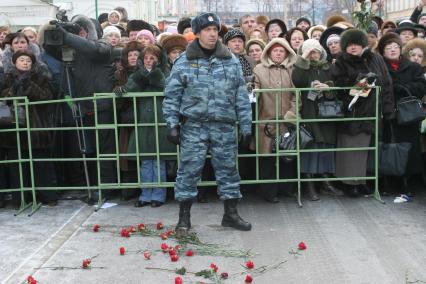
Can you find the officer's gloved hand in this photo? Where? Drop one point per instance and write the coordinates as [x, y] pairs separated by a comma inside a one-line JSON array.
[[173, 135], [245, 143], [120, 91]]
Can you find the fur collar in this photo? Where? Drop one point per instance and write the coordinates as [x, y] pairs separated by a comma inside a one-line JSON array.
[[193, 51]]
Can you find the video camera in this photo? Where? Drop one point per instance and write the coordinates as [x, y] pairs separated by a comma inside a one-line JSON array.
[[55, 37]]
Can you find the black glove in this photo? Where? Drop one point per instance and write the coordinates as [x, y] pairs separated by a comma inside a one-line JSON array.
[[173, 135], [389, 116], [245, 143], [120, 91]]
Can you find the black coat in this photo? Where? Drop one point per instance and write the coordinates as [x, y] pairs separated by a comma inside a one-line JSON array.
[[346, 72], [409, 76], [35, 87], [304, 73]]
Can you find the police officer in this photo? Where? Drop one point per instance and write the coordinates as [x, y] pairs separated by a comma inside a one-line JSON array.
[[204, 97]]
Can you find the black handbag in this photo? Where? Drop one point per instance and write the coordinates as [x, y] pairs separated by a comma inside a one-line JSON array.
[[288, 140], [7, 115], [330, 109], [409, 109]]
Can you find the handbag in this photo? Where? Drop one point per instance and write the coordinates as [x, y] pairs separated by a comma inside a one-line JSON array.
[[330, 109], [8, 117], [409, 109], [287, 140]]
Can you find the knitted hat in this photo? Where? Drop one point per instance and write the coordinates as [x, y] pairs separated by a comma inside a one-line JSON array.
[[183, 24], [303, 19], [20, 53], [261, 19], [279, 22], [331, 21], [406, 25], [138, 25], [387, 39], [316, 28], [413, 44], [373, 29], [313, 44], [204, 20], [175, 41], [255, 41], [353, 36], [420, 16], [148, 34], [116, 12], [111, 30], [233, 34]]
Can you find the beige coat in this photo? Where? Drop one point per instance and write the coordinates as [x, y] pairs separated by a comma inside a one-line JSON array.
[[269, 75]]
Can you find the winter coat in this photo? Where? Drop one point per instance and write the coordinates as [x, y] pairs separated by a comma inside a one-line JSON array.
[[143, 80], [409, 79], [207, 89], [268, 75], [35, 87], [346, 73], [304, 73]]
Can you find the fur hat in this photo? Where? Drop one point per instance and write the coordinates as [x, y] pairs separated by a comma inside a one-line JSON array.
[[279, 22], [387, 24], [138, 25], [387, 39], [233, 33], [255, 41], [353, 36], [111, 30], [204, 20], [148, 34], [153, 49], [183, 24], [223, 30], [20, 53], [303, 19], [329, 32], [413, 44], [406, 25], [261, 19], [331, 21], [316, 28], [175, 41], [87, 25], [130, 46]]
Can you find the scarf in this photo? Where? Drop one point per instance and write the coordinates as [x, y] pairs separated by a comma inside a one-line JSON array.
[[245, 65]]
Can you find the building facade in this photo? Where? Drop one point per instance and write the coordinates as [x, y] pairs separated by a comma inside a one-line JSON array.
[[400, 9]]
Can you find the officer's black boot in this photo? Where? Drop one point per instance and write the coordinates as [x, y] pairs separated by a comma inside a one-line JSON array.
[[184, 223], [231, 217]]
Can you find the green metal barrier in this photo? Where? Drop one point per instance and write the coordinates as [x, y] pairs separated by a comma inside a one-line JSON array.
[[136, 126]]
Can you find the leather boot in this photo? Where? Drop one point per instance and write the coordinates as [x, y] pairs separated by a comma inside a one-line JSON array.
[[328, 188], [231, 217], [184, 223], [309, 188]]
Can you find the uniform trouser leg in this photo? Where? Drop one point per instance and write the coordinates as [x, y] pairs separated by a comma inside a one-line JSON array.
[[193, 150], [224, 149]]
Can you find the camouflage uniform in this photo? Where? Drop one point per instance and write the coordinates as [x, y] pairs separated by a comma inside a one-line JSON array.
[[210, 95]]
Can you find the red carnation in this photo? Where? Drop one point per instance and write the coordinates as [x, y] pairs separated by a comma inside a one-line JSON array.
[[164, 236], [189, 253], [86, 263], [125, 233], [214, 267], [248, 279], [250, 264], [174, 257], [122, 251], [160, 226], [31, 280], [301, 246], [96, 228], [132, 229], [172, 252], [164, 247], [224, 275], [141, 227], [147, 255], [178, 280]]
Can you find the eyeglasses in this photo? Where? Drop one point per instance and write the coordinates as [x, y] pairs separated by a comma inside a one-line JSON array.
[[391, 47]]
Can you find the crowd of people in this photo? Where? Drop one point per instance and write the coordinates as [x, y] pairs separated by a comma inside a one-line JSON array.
[[113, 54]]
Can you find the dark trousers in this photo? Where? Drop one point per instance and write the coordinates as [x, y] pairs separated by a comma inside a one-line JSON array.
[[267, 170]]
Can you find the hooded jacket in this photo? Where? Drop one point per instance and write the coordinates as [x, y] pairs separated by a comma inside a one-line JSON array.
[[207, 89], [268, 75]]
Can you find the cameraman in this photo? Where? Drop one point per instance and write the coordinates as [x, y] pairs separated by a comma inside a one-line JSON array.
[[91, 72]]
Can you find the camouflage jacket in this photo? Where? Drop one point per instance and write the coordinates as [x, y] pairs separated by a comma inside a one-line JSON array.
[[207, 89]]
